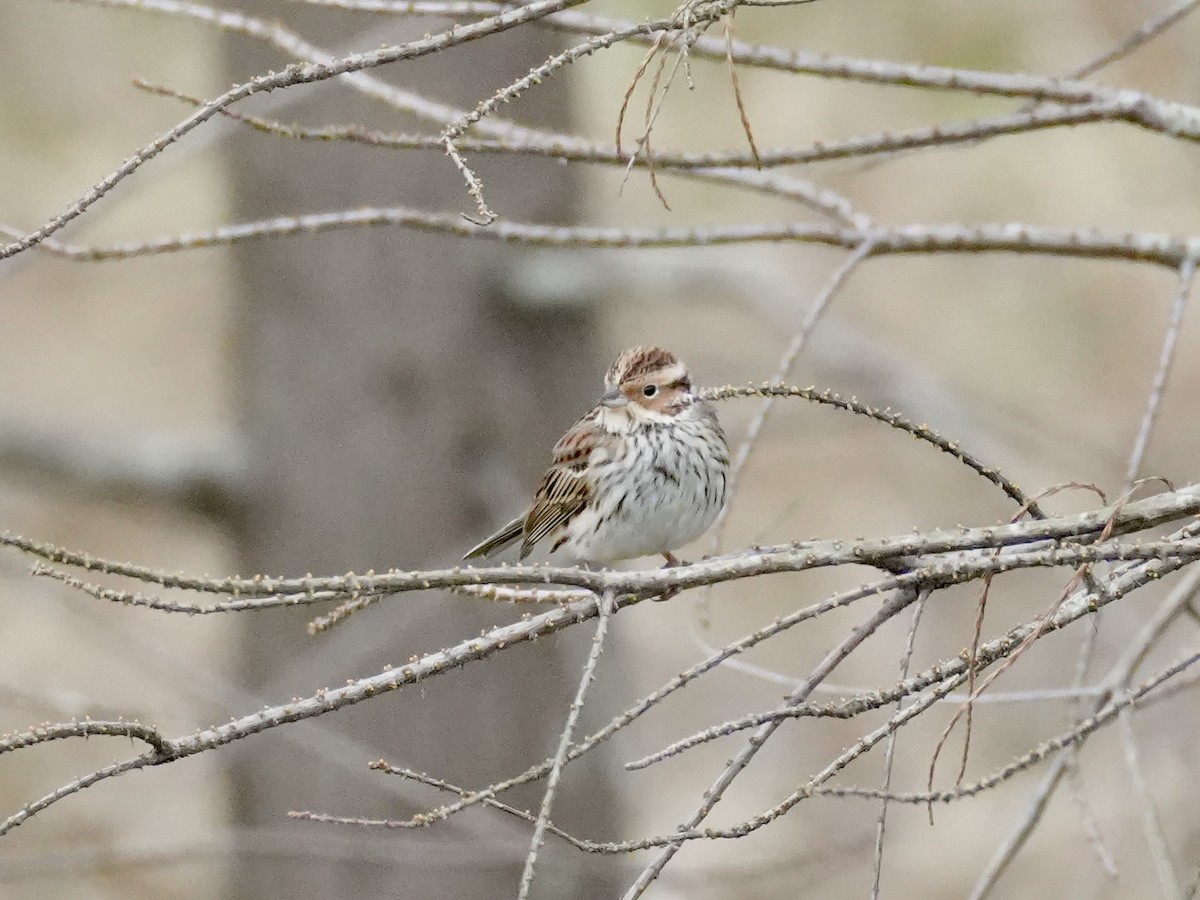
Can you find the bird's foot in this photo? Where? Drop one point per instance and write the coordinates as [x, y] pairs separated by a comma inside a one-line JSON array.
[[672, 562]]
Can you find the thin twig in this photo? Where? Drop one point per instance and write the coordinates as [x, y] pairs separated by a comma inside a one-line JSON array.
[[897, 602], [1042, 751], [1152, 826], [1079, 732], [520, 86], [889, 753], [291, 75], [721, 169], [1166, 356], [743, 116], [1167, 612], [783, 372], [1148, 30], [421, 778], [607, 606]]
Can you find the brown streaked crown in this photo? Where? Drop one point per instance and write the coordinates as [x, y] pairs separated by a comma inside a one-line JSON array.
[[637, 362]]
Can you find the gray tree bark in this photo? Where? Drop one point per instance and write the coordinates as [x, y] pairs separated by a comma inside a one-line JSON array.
[[398, 403]]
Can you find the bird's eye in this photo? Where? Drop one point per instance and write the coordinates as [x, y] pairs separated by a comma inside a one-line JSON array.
[[650, 390]]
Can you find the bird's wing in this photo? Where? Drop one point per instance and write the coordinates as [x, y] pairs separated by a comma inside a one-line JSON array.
[[567, 486]]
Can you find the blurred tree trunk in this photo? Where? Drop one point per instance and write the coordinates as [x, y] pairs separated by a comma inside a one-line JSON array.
[[398, 403]]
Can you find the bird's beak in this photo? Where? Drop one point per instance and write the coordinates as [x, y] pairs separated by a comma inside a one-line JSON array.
[[614, 399]]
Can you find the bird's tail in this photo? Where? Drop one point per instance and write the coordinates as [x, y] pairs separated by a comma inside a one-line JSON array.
[[499, 540]]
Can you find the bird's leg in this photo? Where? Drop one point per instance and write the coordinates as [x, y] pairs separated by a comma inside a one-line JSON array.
[[672, 562]]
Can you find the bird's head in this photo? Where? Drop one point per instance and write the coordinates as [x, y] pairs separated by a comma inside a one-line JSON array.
[[647, 384]]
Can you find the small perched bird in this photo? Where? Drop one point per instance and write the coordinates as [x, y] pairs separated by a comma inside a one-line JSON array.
[[643, 473]]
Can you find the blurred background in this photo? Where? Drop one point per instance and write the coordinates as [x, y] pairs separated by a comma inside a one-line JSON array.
[[384, 398]]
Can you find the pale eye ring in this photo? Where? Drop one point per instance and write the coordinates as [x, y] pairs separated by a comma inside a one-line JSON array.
[[650, 390]]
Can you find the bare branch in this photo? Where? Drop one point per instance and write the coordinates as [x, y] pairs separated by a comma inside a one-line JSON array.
[[607, 607], [1187, 274], [293, 75], [1147, 247]]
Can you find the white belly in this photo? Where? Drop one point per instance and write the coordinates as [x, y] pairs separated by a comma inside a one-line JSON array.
[[666, 496]]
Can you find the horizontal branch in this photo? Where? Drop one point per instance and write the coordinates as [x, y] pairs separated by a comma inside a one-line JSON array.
[[878, 552], [575, 149], [943, 676], [296, 74], [1172, 117], [625, 587], [1166, 116], [324, 701], [1150, 247]]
